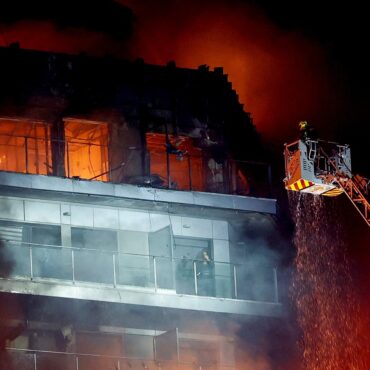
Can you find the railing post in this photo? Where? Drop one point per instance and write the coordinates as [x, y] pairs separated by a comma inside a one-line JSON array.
[[155, 273], [73, 266], [68, 165], [235, 286], [34, 361], [77, 363], [190, 179], [195, 278], [118, 364], [31, 263], [276, 291], [26, 152], [114, 270]]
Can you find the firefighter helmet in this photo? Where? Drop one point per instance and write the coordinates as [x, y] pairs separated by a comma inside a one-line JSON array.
[[303, 125]]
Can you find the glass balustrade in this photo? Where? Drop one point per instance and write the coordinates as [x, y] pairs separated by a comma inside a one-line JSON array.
[[181, 275], [46, 360]]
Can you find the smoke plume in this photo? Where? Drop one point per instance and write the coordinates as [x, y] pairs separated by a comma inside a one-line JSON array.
[[280, 76]]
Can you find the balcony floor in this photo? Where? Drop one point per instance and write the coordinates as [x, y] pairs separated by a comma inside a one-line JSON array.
[[138, 296], [125, 195]]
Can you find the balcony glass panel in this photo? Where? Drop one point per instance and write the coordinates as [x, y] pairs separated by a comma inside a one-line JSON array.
[[185, 279], [55, 361], [185, 276], [39, 360], [135, 270], [15, 259], [93, 266]]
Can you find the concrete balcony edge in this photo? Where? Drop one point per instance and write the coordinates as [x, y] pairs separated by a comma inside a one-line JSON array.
[[41, 183], [137, 296]]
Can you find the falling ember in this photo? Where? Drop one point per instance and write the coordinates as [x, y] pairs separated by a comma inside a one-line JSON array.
[[327, 311]]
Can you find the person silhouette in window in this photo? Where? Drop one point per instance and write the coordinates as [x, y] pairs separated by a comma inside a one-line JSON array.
[[205, 275]]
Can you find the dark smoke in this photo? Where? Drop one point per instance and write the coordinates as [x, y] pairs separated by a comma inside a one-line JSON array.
[[281, 76], [6, 333], [105, 16]]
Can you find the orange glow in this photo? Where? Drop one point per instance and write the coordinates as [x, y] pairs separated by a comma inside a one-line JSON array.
[[186, 172], [47, 36], [86, 149], [280, 76], [24, 146]]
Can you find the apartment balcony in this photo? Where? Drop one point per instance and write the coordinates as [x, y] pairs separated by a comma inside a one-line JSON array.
[[45, 360], [156, 281], [88, 182], [94, 151]]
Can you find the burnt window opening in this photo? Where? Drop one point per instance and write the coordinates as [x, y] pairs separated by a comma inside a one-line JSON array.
[[86, 149], [92, 150], [72, 148], [25, 146], [176, 162]]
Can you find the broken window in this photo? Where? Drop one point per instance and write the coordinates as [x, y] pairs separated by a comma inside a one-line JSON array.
[[86, 149], [176, 161], [25, 146]]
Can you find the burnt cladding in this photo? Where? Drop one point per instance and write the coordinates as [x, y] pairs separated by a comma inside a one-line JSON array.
[[192, 102]]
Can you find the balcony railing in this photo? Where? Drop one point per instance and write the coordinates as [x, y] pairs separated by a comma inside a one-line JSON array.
[[47, 360], [119, 270], [90, 161]]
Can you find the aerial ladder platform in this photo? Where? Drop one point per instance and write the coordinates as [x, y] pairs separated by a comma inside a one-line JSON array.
[[324, 168]]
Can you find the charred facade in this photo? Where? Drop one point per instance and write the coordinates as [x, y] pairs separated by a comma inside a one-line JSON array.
[[136, 221]]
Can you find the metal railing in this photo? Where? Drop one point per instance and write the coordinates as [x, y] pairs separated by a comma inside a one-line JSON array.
[[91, 161], [183, 276], [18, 359], [34, 155]]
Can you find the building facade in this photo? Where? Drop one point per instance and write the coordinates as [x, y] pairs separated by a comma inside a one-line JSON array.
[[136, 222]]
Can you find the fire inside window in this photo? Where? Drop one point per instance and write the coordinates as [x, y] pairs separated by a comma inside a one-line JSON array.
[[25, 146], [86, 149], [181, 167]]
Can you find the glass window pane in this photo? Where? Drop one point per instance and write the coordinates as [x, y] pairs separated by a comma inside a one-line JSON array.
[[24, 146], [94, 239], [45, 234]]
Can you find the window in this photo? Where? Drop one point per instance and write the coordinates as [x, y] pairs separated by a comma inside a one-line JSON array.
[[25, 146], [182, 166], [48, 260], [94, 261], [94, 239], [30, 233], [86, 149]]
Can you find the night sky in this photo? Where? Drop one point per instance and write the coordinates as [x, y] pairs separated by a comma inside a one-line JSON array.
[[287, 60]]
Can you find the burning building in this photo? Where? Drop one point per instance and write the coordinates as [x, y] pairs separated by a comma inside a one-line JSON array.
[[136, 222]]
